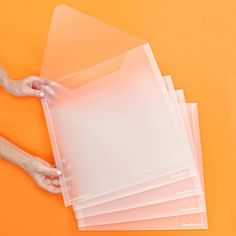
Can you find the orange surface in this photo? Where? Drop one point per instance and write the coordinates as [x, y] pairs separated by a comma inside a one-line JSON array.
[[193, 40]]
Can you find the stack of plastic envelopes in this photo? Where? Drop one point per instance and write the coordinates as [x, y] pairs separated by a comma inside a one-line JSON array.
[[127, 142]]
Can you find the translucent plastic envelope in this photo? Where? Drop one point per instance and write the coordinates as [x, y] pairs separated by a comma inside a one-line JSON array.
[[189, 205], [170, 192], [184, 222], [185, 219], [113, 127], [160, 216], [176, 190]]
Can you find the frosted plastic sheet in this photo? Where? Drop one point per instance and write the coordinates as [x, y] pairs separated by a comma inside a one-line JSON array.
[[184, 222], [151, 214], [83, 114], [119, 91], [182, 206], [176, 190]]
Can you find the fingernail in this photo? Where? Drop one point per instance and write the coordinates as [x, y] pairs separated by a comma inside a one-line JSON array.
[[54, 84], [41, 94], [59, 172]]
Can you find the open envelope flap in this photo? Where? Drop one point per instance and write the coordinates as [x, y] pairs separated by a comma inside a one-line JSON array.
[[81, 45]]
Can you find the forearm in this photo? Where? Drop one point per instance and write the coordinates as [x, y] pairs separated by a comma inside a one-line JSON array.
[[12, 153], [5, 81]]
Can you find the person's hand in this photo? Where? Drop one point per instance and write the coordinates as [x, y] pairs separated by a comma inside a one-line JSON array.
[[30, 86], [45, 175]]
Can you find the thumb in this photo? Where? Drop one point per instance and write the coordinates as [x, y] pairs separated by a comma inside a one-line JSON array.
[[50, 171], [35, 93]]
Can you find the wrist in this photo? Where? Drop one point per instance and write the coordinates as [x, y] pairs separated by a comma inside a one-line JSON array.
[[5, 82], [15, 155], [25, 161], [3, 77]]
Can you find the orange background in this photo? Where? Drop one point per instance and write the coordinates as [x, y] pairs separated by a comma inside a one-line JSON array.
[[193, 40]]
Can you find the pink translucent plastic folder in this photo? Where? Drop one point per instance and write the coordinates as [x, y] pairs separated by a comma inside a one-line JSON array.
[[169, 223], [158, 195], [184, 206], [122, 136], [176, 190], [105, 127], [147, 205], [159, 216]]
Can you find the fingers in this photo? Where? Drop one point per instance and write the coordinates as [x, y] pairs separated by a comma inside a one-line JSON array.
[[49, 171], [38, 80], [48, 184], [38, 87], [56, 182], [44, 81], [49, 90], [34, 93], [53, 189], [52, 181], [49, 187], [45, 175]]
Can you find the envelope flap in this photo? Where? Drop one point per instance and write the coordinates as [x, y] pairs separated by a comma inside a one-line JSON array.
[[77, 41]]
